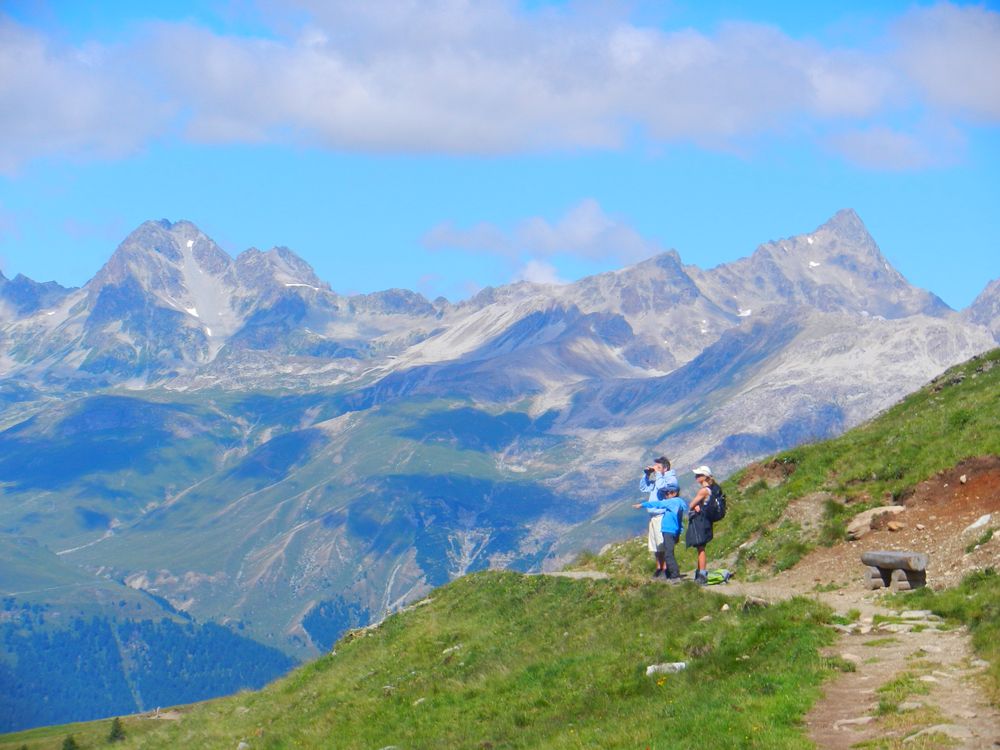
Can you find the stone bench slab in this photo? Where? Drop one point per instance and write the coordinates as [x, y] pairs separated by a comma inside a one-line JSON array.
[[890, 560]]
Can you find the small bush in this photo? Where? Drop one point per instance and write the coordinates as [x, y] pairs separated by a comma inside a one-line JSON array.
[[117, 732], [986, 536]]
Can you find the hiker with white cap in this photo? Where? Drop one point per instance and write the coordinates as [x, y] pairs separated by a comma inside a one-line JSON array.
[[699, 531]]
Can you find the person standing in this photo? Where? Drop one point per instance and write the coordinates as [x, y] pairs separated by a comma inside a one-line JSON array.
[[671, 525], [699, 532], [655, 480]]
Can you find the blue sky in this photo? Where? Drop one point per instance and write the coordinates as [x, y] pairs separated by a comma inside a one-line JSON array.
[[445, 145]]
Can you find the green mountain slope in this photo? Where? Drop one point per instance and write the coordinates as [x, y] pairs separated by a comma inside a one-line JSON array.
[[503, 660], [281, 512], [952, 418]]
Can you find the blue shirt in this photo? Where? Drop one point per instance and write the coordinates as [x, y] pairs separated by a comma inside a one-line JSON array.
[[666, 480], [673, 510]]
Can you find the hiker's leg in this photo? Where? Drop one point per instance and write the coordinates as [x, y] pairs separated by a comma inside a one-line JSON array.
[[661, 557], [669, 541], [701, 574]]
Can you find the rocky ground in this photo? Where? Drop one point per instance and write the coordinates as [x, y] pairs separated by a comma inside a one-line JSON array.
[[915, 682]]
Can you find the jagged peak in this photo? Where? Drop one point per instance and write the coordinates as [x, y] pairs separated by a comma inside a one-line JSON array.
[[992, 289], [163, 237], [157, 246], [985, 308], [847, 225], [282, 263], [393, 301]]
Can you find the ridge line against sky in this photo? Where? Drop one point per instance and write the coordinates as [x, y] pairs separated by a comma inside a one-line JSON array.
[[449, 145]]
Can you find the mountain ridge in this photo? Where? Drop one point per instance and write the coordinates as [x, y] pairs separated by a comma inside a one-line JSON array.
[[199, 302]]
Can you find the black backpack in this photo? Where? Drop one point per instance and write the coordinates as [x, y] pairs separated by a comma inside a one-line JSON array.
[[715, 506]]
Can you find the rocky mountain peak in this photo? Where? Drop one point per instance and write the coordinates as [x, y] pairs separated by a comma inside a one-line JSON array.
[[392, 302], [985, 309], [847, 225], [279, 267], [837, 267], [158, 254], [25, 296]]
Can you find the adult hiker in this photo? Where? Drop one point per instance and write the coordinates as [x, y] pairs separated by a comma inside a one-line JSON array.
[[656, 479], [699, 531]]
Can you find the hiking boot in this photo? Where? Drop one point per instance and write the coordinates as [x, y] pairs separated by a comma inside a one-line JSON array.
[[701, 577], [658, 573]]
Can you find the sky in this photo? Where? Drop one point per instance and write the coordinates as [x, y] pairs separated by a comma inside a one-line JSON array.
[[449, 145]]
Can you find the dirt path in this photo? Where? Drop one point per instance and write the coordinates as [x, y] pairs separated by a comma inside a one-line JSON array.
[[935, 670], [916, 682]]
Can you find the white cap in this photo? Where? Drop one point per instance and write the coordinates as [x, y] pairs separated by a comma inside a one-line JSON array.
[[703, 470]]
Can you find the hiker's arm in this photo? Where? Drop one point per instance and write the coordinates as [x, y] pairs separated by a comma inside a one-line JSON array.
[[701, 497], [645, 485]]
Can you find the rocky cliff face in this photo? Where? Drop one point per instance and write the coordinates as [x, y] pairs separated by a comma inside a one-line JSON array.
[[985, 309], [837, 268]]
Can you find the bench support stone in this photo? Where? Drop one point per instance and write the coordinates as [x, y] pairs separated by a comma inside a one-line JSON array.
[[876, 578], [907, 580], [899, 571]]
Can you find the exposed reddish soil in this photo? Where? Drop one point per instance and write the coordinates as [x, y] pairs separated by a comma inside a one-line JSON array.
[[937, 516], [772, 472]]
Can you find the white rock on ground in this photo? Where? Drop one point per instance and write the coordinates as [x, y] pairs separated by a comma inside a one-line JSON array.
[[668, 668], [978, 523], [953, 731]]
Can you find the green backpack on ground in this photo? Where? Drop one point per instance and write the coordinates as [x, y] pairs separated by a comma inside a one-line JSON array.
[[719, 575]]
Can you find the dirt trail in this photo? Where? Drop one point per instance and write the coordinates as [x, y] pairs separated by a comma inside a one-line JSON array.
[[937, 659], [942, 702]]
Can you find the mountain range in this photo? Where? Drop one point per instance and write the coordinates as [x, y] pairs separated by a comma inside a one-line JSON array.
[[236, 440]]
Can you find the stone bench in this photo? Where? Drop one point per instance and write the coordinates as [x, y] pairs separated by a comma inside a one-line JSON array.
[[899, 571]]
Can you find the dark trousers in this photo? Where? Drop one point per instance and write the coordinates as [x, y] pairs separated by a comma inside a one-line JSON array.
[[669, 541]]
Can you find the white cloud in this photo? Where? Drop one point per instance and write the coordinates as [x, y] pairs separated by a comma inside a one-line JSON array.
[[882, 148], [585, 231], [73, 101], [491, 77], [929, 144], [953, 54], [483, 237], [539, 272], [485, 77]]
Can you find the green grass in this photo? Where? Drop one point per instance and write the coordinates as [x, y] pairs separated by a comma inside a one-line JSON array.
[[898, 690], [851, 616], [983, 539], [976, 603], [501, 660], [950, 419], [876, 463], [876, 642], [91, 734]]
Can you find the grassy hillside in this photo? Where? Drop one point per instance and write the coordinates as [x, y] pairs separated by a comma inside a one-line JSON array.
[[503, 660], [952, 418]]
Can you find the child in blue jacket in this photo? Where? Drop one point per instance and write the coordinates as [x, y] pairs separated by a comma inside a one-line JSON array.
[[666, 521]]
